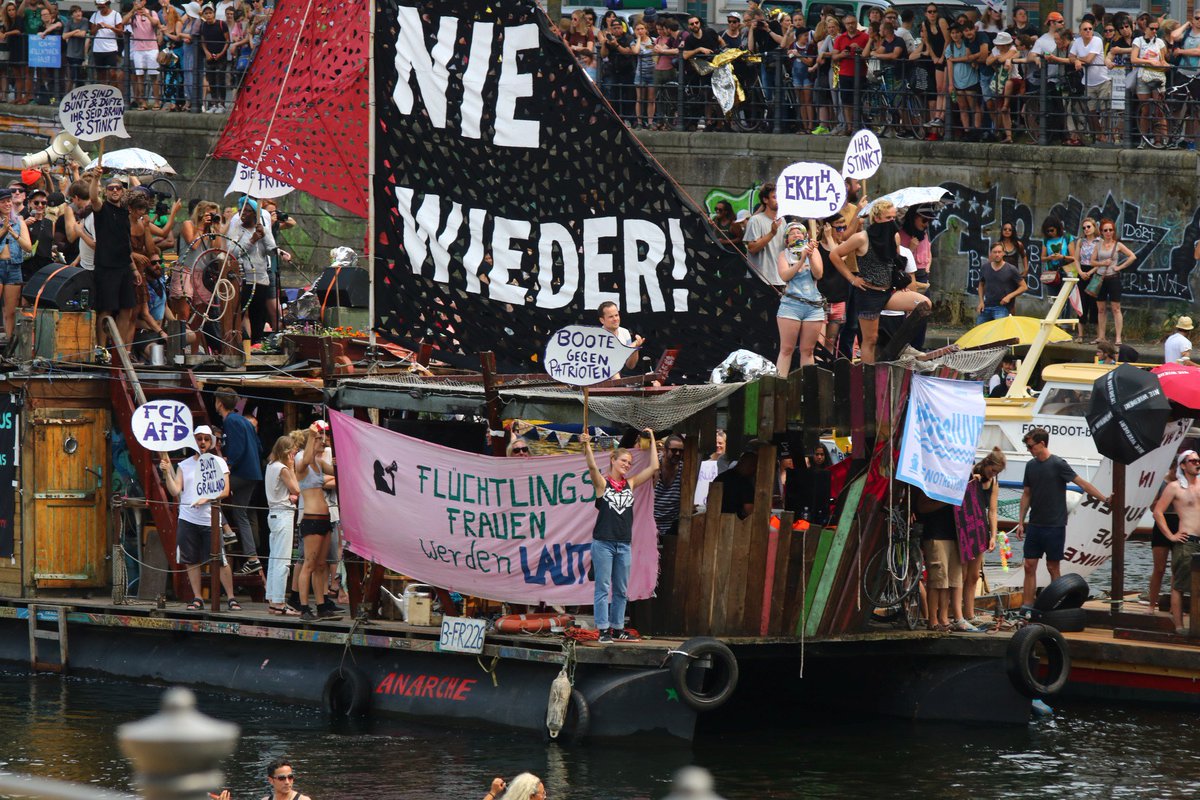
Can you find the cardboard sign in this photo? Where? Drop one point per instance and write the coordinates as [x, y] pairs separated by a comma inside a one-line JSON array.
[[164, 425], [249, 181], [92, 112], [462, 635], [210, 483], [583, 356], [863, 156], [810, 190], [45, 52]]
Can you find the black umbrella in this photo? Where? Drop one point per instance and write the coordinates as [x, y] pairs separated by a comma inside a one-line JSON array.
[[1129, 413]]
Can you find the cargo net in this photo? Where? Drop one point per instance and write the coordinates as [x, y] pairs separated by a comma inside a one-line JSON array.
[[659, 411], [972, 365]]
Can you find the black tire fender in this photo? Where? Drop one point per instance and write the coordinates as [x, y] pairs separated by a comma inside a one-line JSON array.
[[1065, 591], [1066, 620], [577, 723], [695, 658], [347, 692], [1020, 663]]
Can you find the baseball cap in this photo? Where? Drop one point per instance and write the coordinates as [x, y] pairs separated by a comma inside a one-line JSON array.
[[30, 176], [1054, 16], [5, 194], [651, 14], [734, 15], [202, 430]]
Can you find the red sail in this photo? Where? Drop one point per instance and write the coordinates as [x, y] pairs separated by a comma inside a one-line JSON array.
[[306, 95]]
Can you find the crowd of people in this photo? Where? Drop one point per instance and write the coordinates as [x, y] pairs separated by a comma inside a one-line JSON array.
[[296, 480], [176, 57], [975, 73], [149, 259]]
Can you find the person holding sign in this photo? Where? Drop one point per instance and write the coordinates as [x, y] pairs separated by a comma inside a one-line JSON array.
[[880, 268], [612, 537], [195, 490], [801, 315]]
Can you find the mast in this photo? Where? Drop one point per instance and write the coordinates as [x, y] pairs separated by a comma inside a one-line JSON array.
[[1020, 384], [371, 182]]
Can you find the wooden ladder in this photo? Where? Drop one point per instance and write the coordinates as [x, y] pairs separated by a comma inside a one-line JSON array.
[[59, 634]]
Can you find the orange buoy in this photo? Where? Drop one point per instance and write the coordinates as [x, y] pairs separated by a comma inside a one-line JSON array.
[[532, 623]]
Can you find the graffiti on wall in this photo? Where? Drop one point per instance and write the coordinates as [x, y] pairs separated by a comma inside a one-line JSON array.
[[1164, 246]]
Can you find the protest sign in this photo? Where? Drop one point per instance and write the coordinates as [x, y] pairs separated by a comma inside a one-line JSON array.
[[941, 433], [163, 425], [249, 181], [92, 112], [810, 190], [863, 156], [210, 483], [583, 356], [45, 52], [517, 530]]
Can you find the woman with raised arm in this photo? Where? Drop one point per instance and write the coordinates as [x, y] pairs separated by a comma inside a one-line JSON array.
[[612, 538], [315, 526], [801, 314]]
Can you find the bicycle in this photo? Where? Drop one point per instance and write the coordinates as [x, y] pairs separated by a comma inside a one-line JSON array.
[[895, 108], [893, 574], [1169, 116]]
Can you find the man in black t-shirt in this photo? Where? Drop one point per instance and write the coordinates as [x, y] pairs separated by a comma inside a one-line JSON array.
[[616, 47], [1044, 499], [700, 42], [114, 274], [737, 482]]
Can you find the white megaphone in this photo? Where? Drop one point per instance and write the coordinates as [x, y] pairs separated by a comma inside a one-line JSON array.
[[64, 145]]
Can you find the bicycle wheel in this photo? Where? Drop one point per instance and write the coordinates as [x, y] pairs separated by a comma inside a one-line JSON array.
[[1158, 116], [750, 115], [883, 587], [913, 115]]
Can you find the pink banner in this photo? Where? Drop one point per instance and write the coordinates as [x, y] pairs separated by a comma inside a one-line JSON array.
[[512, 529]]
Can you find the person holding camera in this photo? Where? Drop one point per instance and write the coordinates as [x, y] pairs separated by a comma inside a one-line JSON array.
[[200, 233], [620, 58], [251, 230]]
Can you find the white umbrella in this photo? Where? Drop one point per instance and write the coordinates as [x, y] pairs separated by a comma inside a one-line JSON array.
[[912, 196], [134, 161]]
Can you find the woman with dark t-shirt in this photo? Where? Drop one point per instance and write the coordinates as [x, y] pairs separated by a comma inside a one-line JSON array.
[[612, 538]]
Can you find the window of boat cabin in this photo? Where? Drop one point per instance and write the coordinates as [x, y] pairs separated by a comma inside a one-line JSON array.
[[1061, 401]]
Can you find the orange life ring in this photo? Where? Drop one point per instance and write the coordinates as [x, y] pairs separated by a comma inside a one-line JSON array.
[[532, 623]]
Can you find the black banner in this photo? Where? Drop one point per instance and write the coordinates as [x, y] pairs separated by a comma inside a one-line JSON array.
[[510, 201], [9, 411]]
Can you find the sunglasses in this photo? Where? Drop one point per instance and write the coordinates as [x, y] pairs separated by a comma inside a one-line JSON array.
[[1108, 230], [37, 203], [675, 450], [839, 227], [520, 449], [291, 776], [1110, 30], [1192, 461]]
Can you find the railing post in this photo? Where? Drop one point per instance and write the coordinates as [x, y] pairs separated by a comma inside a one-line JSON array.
[[860, 69], [948, 106], [777, 127], [198, 61], [679, 104], [1044, 106]]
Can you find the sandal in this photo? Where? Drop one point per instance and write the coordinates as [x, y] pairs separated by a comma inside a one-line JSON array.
[[283, 611], [196, 605], [234, 605]]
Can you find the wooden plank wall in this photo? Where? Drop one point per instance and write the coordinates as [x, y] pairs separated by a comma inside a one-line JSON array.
[[725, 576]]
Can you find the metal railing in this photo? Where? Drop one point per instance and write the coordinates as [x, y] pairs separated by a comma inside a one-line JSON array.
[[185, 79], [1099, 107]]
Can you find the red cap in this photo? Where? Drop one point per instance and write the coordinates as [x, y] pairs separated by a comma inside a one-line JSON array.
[[1054, 16], [30, 176]]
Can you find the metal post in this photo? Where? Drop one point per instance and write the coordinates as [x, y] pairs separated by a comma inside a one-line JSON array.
[[860, 69], [777, 127], [198, 60], [948, 108], [679, 104], [128, 71], [214, 564], [177, 753], [1043, 105], [1117, 509]]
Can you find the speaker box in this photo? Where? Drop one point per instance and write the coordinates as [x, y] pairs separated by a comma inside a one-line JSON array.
[[70, 289], [352, 289]]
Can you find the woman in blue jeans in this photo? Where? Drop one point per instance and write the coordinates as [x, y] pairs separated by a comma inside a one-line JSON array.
[[613, 535]]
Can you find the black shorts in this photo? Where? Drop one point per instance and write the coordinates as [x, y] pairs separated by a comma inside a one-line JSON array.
[[114, 290], [869, 303], [104, 60], [846, 86], [1045, 540], [193, 543], [1157, 539], [1110, 290], [315, 526]]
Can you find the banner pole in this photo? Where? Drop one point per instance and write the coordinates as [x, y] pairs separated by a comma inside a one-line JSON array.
[[585, 408], [214, 564], [371, 355]]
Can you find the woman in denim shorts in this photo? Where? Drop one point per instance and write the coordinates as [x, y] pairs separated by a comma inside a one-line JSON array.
[[801, 315], [14, 244]]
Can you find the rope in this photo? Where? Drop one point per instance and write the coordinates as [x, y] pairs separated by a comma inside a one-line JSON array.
[[489, 670]]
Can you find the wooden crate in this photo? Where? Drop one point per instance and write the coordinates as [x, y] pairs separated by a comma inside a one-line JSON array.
[[60, 336]]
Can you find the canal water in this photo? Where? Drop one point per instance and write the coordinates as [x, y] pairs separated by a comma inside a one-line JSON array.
[[66, 728]]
